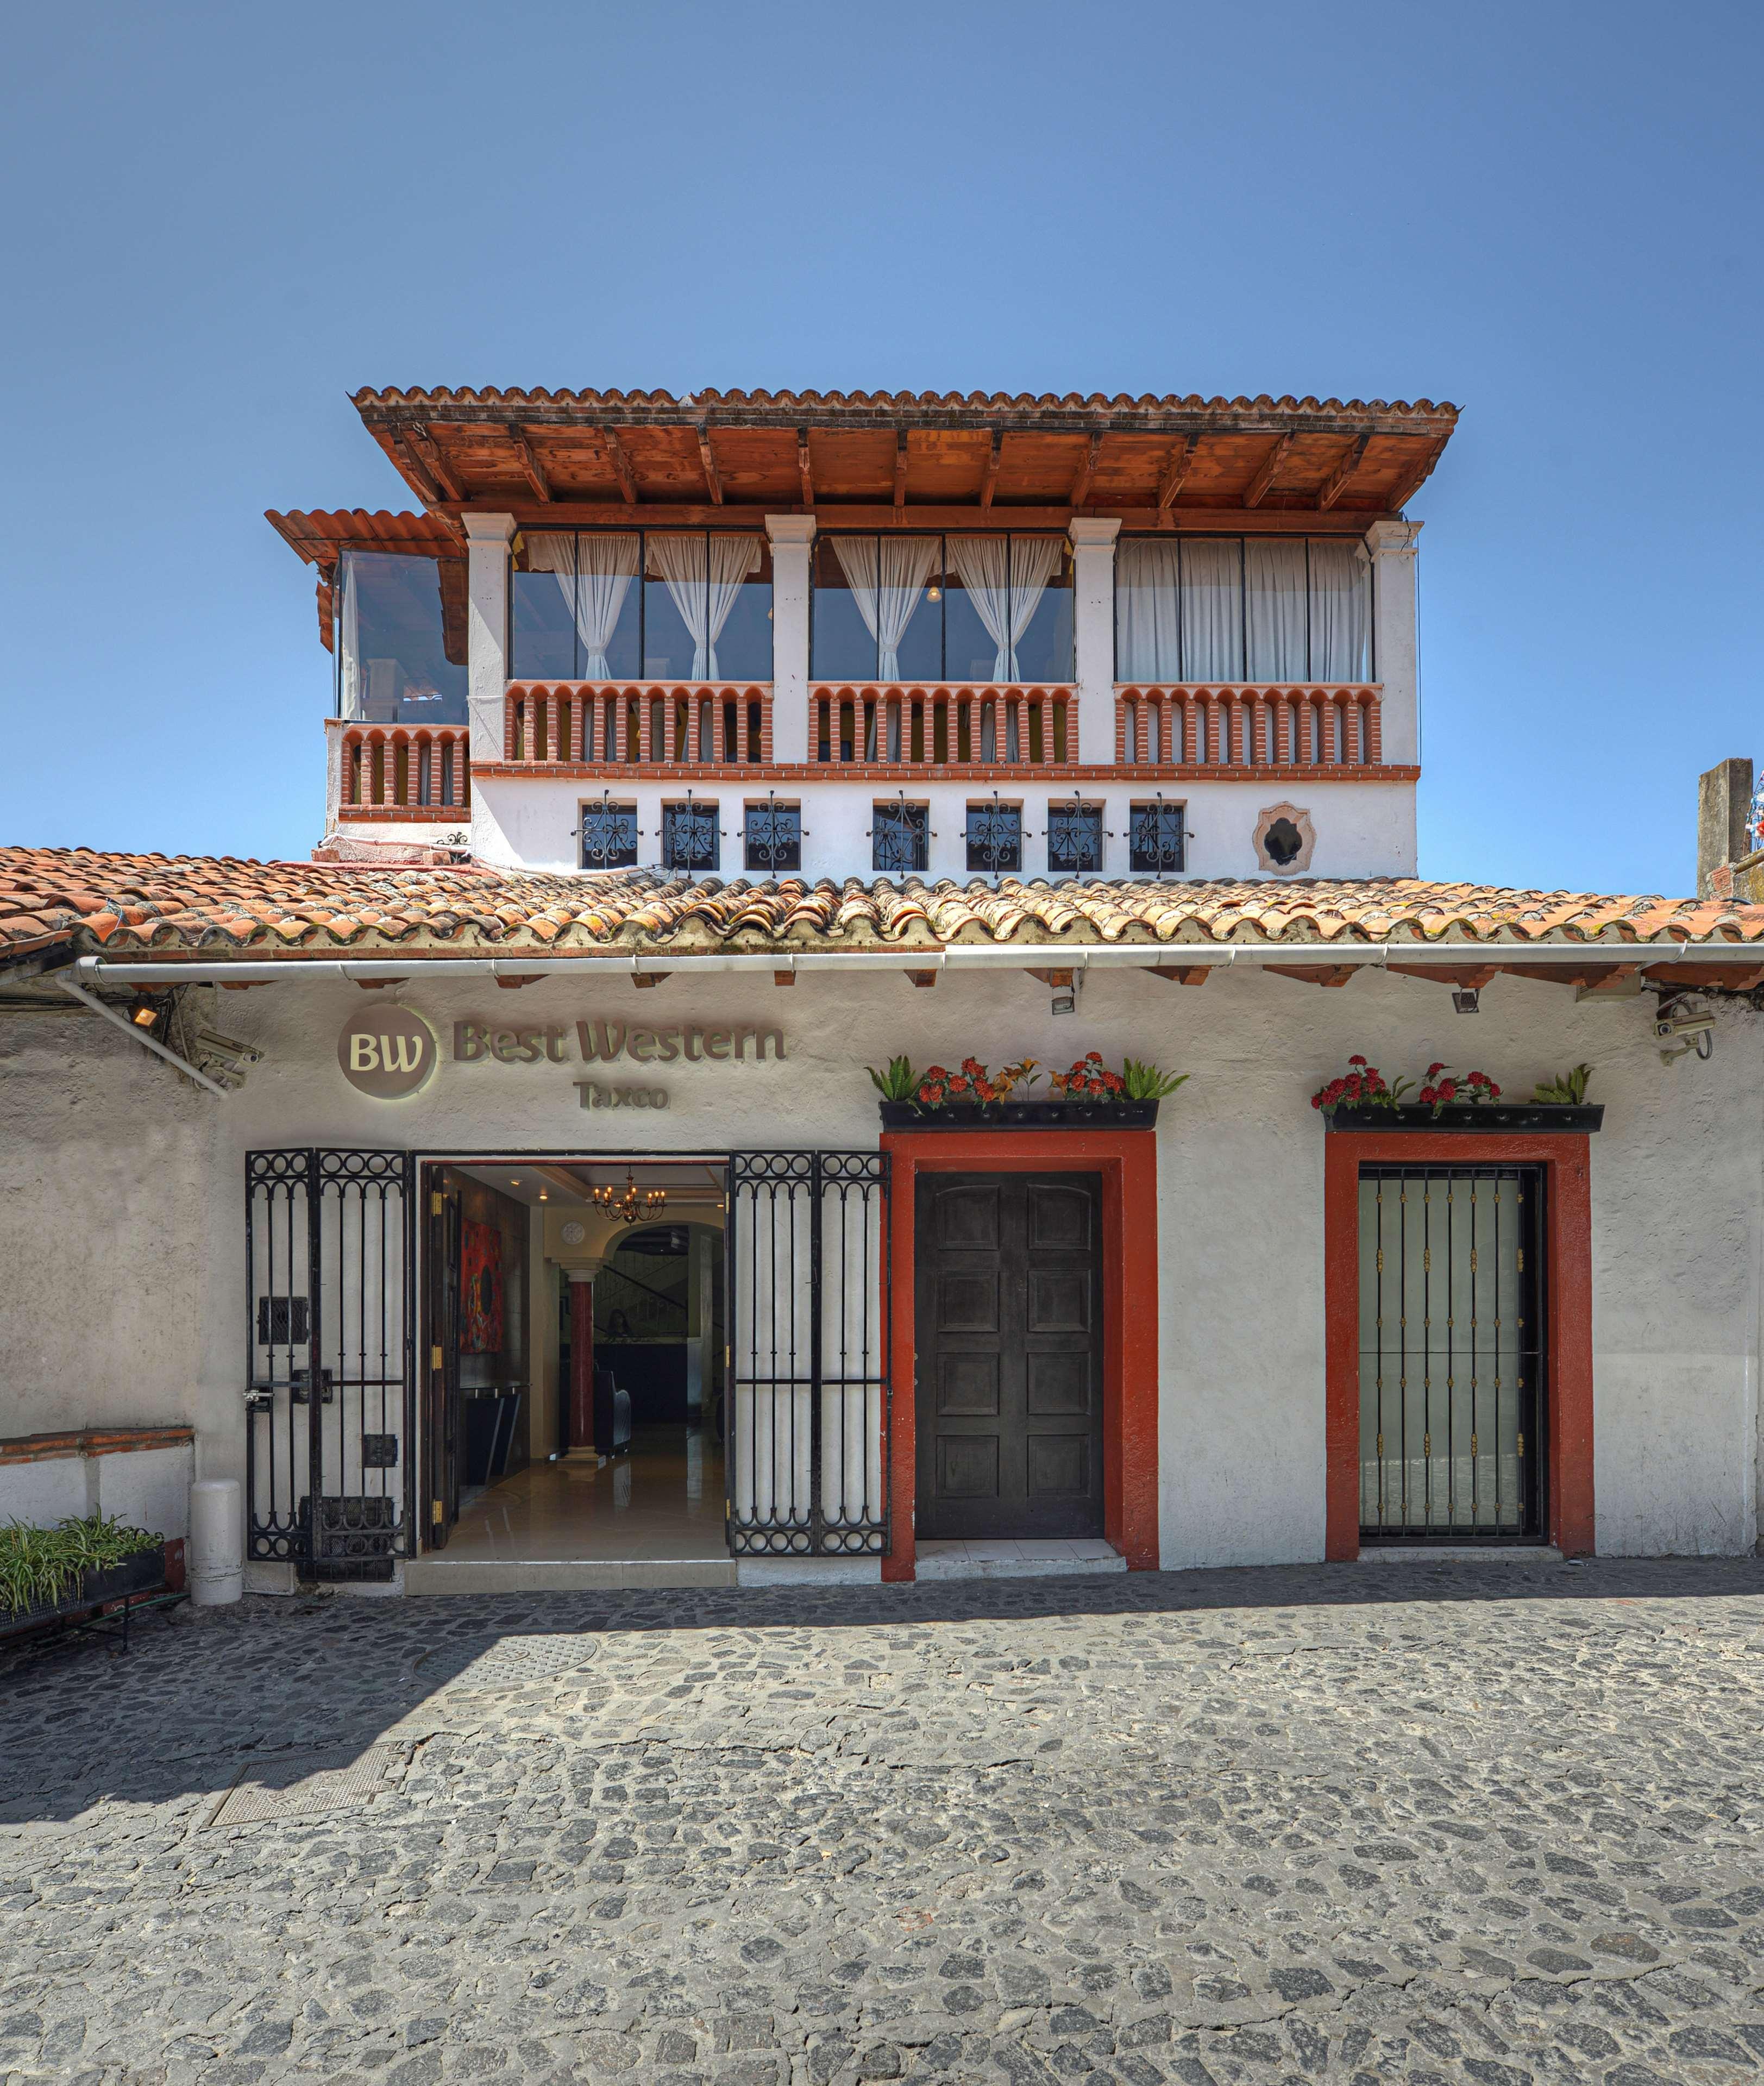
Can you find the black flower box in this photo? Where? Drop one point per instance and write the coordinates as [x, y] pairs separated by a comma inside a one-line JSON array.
[[1020, 1115], [143, 1573], [1516, 1119]]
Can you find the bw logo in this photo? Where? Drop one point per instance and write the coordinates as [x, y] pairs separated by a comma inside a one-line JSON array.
[[387, 1053]]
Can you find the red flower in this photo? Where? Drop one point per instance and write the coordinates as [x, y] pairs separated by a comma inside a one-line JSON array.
[[1356, 1061], [1448, 1090], [1435, 1070], [1428, 1095]]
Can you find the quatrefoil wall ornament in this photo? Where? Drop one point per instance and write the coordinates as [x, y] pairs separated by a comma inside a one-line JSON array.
[[1283, 840]]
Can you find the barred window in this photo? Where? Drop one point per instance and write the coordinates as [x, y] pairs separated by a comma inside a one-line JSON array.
[[609, 836], [772, 834], [1157, 842], [1075, 839], [900, 841], [995, 837], [689, 835]]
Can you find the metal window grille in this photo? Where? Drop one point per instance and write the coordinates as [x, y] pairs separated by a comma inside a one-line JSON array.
[[807, 1413], [900, 838], [773, 836], [331, 1478], [995, 837], [689, 835], [609, 836], [1452, 1353], [1075, 838], [1157, 839]]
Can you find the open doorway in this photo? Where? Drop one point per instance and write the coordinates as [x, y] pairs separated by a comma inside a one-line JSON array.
[[575, 1357]]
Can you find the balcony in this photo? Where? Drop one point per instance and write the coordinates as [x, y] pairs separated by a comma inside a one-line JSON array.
[[1239, 729], [403, 773], [585, 728], [883, 732]]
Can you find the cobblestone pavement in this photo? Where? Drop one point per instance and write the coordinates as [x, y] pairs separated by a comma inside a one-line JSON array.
[[1493, 1822]]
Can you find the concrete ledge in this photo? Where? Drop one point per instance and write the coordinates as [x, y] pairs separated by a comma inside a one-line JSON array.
[[1467, 1553], [441, 1574], [943, 1559], [808, 1571]]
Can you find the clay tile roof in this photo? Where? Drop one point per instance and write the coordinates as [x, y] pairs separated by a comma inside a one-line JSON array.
[[135, 905], [319, 537]]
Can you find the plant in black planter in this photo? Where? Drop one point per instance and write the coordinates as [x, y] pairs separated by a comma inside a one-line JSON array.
[[1360, 1099], [1568, 1089], [1090, 1096], [77, 1564]]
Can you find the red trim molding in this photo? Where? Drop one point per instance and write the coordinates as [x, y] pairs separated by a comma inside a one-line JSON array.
[[1569, 1517], [1128, 1162], [90, 1441]]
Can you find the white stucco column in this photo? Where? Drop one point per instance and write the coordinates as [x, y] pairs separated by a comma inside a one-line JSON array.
[[1093, 631], [791, 536], [1394, 652], [486, 629]]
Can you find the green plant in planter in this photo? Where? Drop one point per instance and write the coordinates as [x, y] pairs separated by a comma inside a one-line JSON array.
[[1569, 1087], [897, 1081], [38, 1565], [1147, 1083]]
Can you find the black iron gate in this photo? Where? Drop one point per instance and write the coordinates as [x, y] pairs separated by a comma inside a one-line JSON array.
[[329, 1386], [806, 1443], [1452, 1353]]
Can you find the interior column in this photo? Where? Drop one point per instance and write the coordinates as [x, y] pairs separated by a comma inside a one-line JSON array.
[[581, 1358]]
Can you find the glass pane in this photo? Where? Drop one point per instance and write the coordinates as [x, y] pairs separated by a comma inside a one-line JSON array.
[[1274, 609], [740, 608], [676, 592], [689, 835], [1041, 607], [1340, 611], [773, 836], [912, 607], [609, 836], [542, 609], [608, 607], [995, 837], [977, 587], [1212, 609], [400, 638], [900, 838], [1155, 840], [1075, 839], [843, 643], [1146, 611]]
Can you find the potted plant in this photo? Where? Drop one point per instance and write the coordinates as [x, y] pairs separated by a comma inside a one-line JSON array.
[[1089, 1096], [1360, 1099], [47, 1573]]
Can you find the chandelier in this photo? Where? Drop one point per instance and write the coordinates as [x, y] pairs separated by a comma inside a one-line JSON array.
[[629, 1205]]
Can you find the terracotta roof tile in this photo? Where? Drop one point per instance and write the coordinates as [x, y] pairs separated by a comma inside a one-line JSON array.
[[127, 905]]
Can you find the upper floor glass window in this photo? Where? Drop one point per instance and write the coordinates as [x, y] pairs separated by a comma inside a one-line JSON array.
[[400, 639], [899, 607], [1242, 608], [641, 604]]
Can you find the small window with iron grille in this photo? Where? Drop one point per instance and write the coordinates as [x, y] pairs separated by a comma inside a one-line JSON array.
[[900, 838], [609, 836], [1157, 837], [689, 835], [1075, 839], [995, 837], [772, 834]]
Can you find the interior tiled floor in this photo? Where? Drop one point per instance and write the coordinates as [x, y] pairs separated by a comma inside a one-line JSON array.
[[1031, 1557], [664, 1499]]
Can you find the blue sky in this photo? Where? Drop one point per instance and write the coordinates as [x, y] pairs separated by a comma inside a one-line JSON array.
[[221, 220]]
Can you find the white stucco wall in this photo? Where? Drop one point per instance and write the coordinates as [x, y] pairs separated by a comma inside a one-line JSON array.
[[121, 1201]]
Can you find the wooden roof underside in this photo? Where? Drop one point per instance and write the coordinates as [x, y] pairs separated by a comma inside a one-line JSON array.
[[942, 462]]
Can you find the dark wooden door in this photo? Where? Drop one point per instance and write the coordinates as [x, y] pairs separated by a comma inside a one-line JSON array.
[[1008, 1323]]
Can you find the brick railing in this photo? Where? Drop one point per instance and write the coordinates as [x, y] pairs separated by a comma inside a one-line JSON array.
[[409, 769], [1243, 724], [678, 726], [863, 726]]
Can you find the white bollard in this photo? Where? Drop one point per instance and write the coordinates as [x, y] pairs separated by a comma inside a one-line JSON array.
[[217, 1569]]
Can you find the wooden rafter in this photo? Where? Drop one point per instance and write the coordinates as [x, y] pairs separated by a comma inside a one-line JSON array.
[[1180, 464], [900, 467], [802, 467], [1183, 973], [529, 465], [991, 478], [1411, 480], [415, 470], [1702, 977], [707, 458], [922, 977], [621, 463], [1327, 974], [1572, 973], [1271, 463], [1466, 976], [1339, 477], [424, 443], [1081, 484], [1060, 979]]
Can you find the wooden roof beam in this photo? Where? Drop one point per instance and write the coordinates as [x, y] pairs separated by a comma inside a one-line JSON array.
[[415, 470], [1180, 464], [529, 465], [621, 463], [1340, 477], [1086, 477], [1588, 974], [1411, 480], [1325, 974], [1183, 973], [424, 443], [707, 458], [900, 467], [1469, 978], [803, 470], [1702, 977], [1271, 463], [989, 482]]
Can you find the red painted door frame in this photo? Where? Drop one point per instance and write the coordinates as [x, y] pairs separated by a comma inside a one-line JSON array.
[[1568, 1379], [1128, 1162]]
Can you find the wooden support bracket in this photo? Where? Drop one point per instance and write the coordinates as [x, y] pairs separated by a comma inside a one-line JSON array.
[[1183, 974], [1324, 974], [922, 977]]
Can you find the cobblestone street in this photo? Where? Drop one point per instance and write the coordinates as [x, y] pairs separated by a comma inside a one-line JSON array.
[[1492, 1823]]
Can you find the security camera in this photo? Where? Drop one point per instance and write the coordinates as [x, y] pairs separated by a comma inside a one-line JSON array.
[[1683, 1033]]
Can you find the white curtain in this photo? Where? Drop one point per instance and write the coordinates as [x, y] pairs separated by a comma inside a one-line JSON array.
[[704, 593], [1212, 609], [1004, 579], [887, 581], [594, 574], [1340, 611], [1145, 598], [1274, 608], [349, 636]]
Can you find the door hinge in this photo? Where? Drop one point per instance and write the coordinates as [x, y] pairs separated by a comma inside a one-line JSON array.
[[435, 1514], [1521, 1445], [1381, 1260], [1522, 1260], [437, 1202], [1426, 1260], [435, 1358]]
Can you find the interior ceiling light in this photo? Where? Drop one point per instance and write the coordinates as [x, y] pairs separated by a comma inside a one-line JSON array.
[[631, 1205]]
